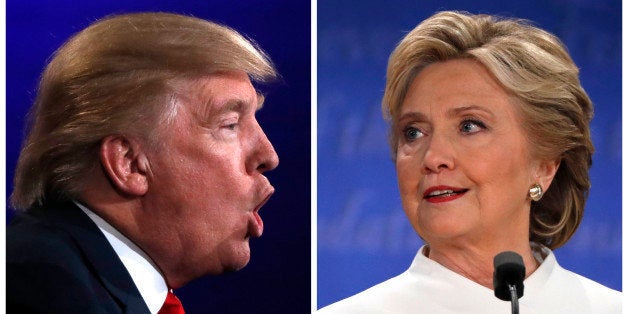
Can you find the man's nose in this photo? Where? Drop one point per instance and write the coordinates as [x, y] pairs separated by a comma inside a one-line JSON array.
[[263, 157]]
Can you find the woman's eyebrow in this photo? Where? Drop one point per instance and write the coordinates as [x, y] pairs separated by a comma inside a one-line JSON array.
[[412, 115], [457, 111]]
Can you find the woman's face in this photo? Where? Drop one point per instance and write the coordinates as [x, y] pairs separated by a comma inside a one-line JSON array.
[[463, 163]]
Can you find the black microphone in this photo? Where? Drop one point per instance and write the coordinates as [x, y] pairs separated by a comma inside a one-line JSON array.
[[508, 278]]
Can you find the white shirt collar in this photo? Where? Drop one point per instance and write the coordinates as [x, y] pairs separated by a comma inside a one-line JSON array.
[[144, 272]]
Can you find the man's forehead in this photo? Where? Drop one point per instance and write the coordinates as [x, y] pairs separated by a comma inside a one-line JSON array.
[[232, 102], [230, 91]]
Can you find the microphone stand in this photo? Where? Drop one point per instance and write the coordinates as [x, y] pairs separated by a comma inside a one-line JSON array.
[[508, 278], [514, 300]]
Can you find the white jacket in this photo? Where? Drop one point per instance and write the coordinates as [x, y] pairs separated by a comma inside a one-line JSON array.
[[429, 287]]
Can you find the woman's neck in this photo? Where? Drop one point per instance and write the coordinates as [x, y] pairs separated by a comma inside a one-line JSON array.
[[476, 263]]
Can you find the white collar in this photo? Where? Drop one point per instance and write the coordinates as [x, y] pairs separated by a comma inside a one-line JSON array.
[[145, 274], [534, 282]]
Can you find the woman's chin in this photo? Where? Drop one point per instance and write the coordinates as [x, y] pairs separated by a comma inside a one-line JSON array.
[[442, 232]]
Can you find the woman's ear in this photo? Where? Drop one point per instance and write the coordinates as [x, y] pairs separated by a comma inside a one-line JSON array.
[[124, 164], [545, 172]]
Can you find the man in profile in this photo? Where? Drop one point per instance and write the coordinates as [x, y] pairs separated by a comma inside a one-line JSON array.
[[142, 168]]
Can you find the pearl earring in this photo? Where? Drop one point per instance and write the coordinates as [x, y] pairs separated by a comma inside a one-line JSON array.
[[536, 192]]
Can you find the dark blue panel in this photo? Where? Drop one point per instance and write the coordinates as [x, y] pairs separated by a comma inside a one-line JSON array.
[[280, 264]]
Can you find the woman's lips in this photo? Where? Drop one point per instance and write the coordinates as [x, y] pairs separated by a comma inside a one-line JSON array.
[[442, 193]]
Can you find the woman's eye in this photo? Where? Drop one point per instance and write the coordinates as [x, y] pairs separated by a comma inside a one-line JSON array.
[[231, 126], [412, 133], [471, 126]]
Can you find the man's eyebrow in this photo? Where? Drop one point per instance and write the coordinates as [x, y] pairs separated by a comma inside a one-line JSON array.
[[233, 105], [237, 104]]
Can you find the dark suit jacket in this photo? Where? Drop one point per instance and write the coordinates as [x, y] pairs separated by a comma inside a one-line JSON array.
[[58, 261]]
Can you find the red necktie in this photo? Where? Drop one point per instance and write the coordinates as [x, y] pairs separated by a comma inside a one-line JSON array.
[[172, 305]]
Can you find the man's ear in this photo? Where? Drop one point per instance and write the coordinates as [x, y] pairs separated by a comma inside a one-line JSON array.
[[124, 164]]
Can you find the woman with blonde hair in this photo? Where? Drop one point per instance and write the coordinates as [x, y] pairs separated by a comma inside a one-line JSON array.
[[490, 139]]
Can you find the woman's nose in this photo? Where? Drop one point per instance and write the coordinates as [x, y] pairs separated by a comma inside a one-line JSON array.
[[438, 155]]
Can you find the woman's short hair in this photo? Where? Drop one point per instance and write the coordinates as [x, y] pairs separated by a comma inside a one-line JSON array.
[[535, 67], [118, 77]]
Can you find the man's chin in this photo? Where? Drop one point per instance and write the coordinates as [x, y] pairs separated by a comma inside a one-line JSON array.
[[233, 269], [229, 263], [238, 260]]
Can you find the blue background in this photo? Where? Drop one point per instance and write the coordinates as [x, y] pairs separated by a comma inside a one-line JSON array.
[[363, 235], [277, 280]]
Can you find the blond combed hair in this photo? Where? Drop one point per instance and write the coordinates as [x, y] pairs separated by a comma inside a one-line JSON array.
[[534, 66], [117, 77]]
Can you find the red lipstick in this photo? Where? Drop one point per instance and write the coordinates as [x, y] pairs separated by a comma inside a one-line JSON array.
[[443, 193]]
